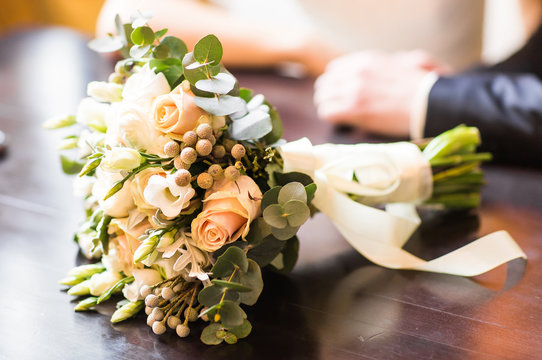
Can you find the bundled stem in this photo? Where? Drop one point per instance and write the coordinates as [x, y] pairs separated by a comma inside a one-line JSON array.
[[457, 178]]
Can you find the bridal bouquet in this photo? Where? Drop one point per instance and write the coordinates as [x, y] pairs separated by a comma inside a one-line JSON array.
[[189, 190]]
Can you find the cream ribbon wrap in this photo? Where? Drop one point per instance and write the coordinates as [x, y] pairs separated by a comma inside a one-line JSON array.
[[396, 174]]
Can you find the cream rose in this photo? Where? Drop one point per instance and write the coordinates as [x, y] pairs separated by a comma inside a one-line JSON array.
[[228, 209], [176, 112], [139, 183], [120, 158]]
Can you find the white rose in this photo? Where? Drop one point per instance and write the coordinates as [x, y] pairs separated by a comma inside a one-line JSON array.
[[117, 205], [129, 125], [165, 194], [121, 158], [143, 86], [92, 114], [103, 91], [101, 282], [141, 277]]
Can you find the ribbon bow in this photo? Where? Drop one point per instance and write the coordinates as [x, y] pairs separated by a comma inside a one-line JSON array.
[[397, 175]]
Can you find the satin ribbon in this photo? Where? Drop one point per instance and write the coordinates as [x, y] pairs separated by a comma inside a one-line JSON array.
[[397, 175]]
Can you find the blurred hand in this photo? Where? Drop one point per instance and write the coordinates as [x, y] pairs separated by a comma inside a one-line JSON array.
[[373, 90]]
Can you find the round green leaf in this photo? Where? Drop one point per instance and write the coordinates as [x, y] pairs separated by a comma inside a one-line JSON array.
[[270, 197], [160, 52], [297, 212], [208, 49], [241, 331], [231, 314], [292, 191], [224, 105], [222, 83], [222, 267], [274, 216], [236, 256], [230, 285], [177, 47], [142, 35], [208, 335], [253, 280], [212, 294], [138, 51], [284, 234]]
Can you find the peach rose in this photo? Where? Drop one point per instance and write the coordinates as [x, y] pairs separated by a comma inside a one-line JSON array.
[[228, 209], [138, 185], [176, 112]]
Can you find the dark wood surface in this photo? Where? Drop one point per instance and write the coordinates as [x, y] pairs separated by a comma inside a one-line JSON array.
[[335, 304]]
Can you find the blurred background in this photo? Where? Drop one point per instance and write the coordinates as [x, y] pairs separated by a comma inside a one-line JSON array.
[[506, 22]]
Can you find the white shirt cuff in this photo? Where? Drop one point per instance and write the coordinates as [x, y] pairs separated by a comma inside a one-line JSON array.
[[418, 111]]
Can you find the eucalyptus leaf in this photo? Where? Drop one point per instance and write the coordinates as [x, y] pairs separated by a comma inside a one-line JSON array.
[[269, 248], [177, 47], [284, 234], [222, 83], [138, 51], [277, 129], [245, 94], [274, 216], [297, 212], [142, 35], [193, 73], [259, 229], [208, 335], [140, 18], [160, 52], [231, 314], [254, 125], [270, 197], [290, 254], [285, 178], [158, 34], [230, 285], [208, 49], [311, 190], [222, 268], [237, 257], [252, 279], [292, 191], [241, 331], [211, 295], [221, 106]]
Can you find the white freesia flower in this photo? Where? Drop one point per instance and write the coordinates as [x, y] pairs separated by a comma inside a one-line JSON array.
[[92, 114], [84, 239], [129, 125], [144, 86], [141, 277], [120, 158], [117, 205], [166, 195], [101, 282], [88, 140], [104, 91], [82, 186]]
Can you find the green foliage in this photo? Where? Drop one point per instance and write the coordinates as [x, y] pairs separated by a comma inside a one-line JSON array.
[[221, 105], [227, 262], [70, 167], [209, 334], [252, 280], [211, 295], [276, 123], [86, 304], [142, 35], [266, 250], [177, 47], [230, 285], [90, 165], [208, 50]]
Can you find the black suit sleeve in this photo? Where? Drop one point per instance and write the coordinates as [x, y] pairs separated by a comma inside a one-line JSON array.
[[506, 108], [504, 101]]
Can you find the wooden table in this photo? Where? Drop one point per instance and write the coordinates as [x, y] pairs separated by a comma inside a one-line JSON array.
[[335, 305]]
